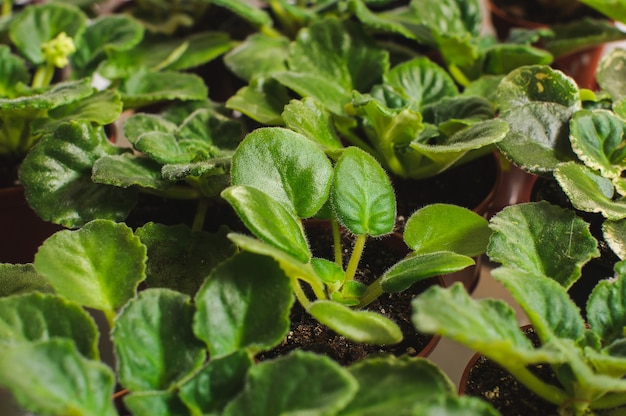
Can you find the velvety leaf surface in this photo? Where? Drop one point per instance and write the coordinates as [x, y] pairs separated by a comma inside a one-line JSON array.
[[413, 269], [35, 25], [156, 403], [37, 317], [52, 378], [57, 178], [505, 57], [216, 384], [244, 304], [583, 34], [18, 279], [59, 94], [181, 259], [298, 383], [357, 325], [439, 227], [588, 191], [606, 309], [154, 343], [127, 170], [258, 55], [201, 48], [250, 12], [263, 100], [542, 239], [310, 118], [614, 233], [286, 166], [400, 384], [143, 88], [362, 196], [12, 71], [98, 266], [455, 406], [269, 220], [610, 73]]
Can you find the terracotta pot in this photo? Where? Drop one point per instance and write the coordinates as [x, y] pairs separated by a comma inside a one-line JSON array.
[[514, 187], [22, 230], [581, 65]]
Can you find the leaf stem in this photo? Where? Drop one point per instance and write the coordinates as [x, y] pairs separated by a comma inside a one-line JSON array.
[[373, 291], [7, 8], [300, 295], [110, 317], [43, 76], [609, 401], [355, 257], [198, 219], [336, 242], [539, 387], [458, 75]]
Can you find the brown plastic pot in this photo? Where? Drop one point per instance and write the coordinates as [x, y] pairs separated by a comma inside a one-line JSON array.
[[21, 229]]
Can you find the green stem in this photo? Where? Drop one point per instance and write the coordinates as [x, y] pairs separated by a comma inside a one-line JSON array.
[[355, 257], [7, 8], [43, 76], [373, 291], [539, 387], [270, 31], [300, 295], [609, 401], [458, 75], [110, 317], [336, 242], [198, 219]]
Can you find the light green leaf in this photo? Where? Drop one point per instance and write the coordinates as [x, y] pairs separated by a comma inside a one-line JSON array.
[[98, 266], [503, 58], [611, 71], [286, 166], [156, 403], [13, 71], [16, 279], [455, 406], [269, 220], [362, 196], [357, 325], [59, 94], [248, 11], [422, 266], [542, 239], [263, 101], [298, 383], [259, 55], [614, 9], [310, 118], [606, 309], [52, 378], [181, 259], [154, 344], [244, 304], [614, 233], [439, 227], [201, 48], [144, 87], [128, 169], [37, 317]]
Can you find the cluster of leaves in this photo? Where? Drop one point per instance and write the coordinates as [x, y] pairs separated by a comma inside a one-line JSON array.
[[541, 249], [163, 338], [280, 177]]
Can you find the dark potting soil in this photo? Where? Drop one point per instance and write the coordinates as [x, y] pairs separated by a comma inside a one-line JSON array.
[[535, 11], [309, 335]]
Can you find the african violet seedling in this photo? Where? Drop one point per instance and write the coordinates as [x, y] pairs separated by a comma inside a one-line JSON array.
[[542, 248], [279, 178], [181, 354]]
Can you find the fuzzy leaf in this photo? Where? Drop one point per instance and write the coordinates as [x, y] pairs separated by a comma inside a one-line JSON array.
[[98, 266], [504, 58], [542, 239], [16, 279], [13, 71], [201, 48], [181, 259], [362, 196], [246, 10], [156, 403], [597, 138], [216, 384], [143, 88], [286, 166], [37, 317], [309, 118], [606, 309], [259, 55], [422, 266], [588, 191], [244, 304], [611, 71], [614, 233], [439, 227], [357, 325], [129, 169], [52, 378], [263, 101], [269, 220], [57, 178], [59, 94], [298, 383], [154, 344]]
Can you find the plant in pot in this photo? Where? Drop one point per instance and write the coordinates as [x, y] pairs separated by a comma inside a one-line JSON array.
[[280, 179], [181, 353], [541, 249]]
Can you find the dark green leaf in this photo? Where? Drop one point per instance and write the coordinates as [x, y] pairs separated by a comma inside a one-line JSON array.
[[17, 279], [263, 101], [581, 34], [606, 309], [156, 403], [259, 55], [503, 58], [128, 169], [143, 88], [59, 94], [12, 72], [244, 304]]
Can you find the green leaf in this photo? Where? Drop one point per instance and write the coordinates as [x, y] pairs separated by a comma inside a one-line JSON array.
[[216, 384], [310, 118], [259, 55], [581, 34], [421, 81], [98, 266], [298, 383], [16, 279], [250, 12], [542, 239], [504, 58], [362, 196], [144, 87], [269, 220], [401, 383], [439, 227], [127, 170], [156, 403], [286, 166], [52, 378], [548, 306], [606, 309], [57, 178], [422, 266], [614, 233], [263, 101], [597, 138], [611, 71], [331, 58], [244, 304], [59, 94], [614, 9], [201, 48], [36, 25], [588, 191], [154, 343], [357, 325], [455, 406], [487, 325], [181, 259], [13, 71], [37, 317]]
